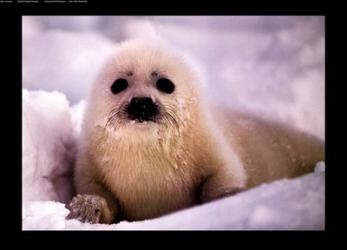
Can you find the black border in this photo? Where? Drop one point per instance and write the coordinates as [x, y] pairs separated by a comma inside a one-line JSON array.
[[110, 7], [11, 22]]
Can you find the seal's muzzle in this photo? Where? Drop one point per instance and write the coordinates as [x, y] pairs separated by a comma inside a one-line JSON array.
[[142, 109]]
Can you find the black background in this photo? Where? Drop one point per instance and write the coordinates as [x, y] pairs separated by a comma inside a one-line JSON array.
[[11, 115]]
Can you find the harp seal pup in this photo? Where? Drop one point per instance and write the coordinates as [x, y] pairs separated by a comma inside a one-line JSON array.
[[152, 144]]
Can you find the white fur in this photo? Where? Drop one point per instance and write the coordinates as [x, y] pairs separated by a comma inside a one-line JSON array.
[[156, 168]]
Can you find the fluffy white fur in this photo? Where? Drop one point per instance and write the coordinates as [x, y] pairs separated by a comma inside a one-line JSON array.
[[196, 153]]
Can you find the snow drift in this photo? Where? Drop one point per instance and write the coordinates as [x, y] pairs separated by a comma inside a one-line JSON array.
[[48, 146]]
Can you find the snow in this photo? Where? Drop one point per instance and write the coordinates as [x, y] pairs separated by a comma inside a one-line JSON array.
[[48, 146], [72, 58], [272, 66], [320, 167]]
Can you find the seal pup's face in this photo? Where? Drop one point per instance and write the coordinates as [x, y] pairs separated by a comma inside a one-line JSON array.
[[143, 86], [136, 100]]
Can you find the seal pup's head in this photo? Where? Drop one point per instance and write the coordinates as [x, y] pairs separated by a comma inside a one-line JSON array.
[[144, 86]]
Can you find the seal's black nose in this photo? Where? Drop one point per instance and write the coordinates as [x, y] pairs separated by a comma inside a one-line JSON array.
[[142, 109]]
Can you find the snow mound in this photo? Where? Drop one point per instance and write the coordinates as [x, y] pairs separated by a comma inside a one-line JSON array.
[[48, 146], [285, 205]]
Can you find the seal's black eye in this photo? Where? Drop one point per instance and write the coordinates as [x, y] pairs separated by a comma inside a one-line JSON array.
[[119, 85], [165, 85]]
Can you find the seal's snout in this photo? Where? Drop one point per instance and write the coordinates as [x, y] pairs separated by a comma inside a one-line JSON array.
[[142, 109]]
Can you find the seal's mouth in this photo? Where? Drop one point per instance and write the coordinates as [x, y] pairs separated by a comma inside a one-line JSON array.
[[141, 112]]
